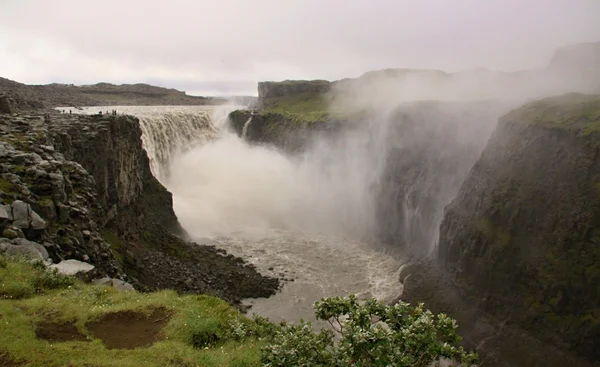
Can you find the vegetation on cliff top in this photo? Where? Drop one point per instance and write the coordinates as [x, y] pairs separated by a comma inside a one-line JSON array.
[[53, 320], [569, 111]]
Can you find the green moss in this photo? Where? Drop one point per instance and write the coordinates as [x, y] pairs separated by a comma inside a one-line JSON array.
[[116, 245], [45, 201], [200, 320], [9, 187]]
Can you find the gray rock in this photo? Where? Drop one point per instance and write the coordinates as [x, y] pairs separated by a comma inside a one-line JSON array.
[[5, 217], [4, 244], [122, 286], [8, 210], [21, 213], [12, 232], [26, 243], [102, 281], [29, 252], [37, 222], [72, 267]]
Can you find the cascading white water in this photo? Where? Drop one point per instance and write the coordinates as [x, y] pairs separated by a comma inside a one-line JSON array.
[[245, 128], [298, 217]]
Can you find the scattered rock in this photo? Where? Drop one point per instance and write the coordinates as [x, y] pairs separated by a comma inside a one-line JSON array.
[[72, 267]]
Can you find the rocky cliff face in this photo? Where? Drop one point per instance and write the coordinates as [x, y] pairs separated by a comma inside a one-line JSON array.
[[523, 233], [279, 130], [97, 201]]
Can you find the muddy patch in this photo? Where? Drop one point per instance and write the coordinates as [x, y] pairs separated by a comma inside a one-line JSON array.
[[65, 332], [129, 329]]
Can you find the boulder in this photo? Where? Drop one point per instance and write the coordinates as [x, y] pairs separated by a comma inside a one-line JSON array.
[[122, 285], [11, 232], [5, 104], [21, 211], [102, 281], [37, 222], [26, 243], [5, 217], [27, 249], [73, 267]]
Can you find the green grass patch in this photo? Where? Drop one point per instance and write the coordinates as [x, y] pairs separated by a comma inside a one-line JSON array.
[[569, 111], [302, 106], [21, 279], [196, 333]]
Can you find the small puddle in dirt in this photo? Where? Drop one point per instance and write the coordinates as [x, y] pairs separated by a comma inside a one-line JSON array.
[[129, 329], [65, 332]]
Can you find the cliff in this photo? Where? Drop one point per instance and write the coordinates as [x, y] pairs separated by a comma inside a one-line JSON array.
[[93, 198], [522, 233], [430, 146]]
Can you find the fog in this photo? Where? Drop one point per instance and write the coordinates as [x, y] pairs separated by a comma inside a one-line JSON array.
[[225, 47]]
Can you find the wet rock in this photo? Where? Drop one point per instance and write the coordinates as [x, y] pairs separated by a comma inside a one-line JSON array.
[[72, 267]]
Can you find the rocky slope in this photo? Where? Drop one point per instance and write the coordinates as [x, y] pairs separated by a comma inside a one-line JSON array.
[[92, 197], [520, 240], [24, 96]]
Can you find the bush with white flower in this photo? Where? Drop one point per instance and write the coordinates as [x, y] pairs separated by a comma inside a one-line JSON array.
[[364, 334]]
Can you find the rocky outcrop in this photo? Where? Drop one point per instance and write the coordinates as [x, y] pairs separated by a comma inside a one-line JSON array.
[[284, 132], [522, 235]]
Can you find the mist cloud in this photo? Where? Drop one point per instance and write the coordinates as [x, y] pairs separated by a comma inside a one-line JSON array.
[[225, 47]]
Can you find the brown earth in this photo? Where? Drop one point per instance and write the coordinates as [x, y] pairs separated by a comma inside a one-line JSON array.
[[64, 332], [129, 329]]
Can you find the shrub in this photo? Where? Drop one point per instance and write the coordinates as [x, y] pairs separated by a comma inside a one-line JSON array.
[[368, 334]]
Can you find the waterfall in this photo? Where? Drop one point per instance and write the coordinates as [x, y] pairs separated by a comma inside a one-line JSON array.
[[169, 131], [245, 128]]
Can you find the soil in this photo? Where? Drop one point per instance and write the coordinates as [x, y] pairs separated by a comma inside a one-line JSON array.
[[129, 329], [65, 332]]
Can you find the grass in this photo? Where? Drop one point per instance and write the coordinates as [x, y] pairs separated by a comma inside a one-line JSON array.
[[195, 335], [569, 111], [302, 106]]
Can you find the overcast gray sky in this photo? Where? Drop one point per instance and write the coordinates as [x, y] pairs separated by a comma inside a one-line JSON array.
[[226, 46]]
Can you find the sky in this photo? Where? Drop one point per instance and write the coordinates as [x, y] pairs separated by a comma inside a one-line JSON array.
[[224, 47]]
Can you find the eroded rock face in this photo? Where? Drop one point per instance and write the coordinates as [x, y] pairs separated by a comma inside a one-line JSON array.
[[523, 234]]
